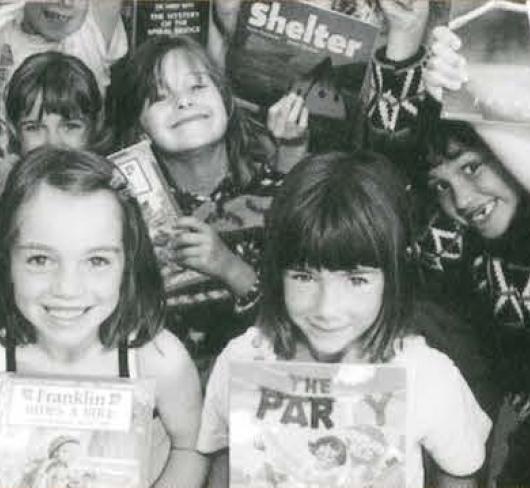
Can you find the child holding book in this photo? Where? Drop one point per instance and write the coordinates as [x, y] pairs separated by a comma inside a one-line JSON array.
[[479, 177], [174, 94], [337, 287], [81, 294]]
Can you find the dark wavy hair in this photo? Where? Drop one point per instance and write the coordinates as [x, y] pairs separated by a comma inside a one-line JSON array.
[[139, 80], [68, 88], [339, 211], [141, 307]]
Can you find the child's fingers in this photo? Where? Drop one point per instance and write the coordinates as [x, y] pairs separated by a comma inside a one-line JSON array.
[[304, 118], [191, 223], [187, 239], [445, 36], [295, 110]]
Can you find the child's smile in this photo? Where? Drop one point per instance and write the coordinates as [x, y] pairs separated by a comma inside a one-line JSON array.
[[67, 264], [55, 20], [472, 190], [333, 309], [189, 111]]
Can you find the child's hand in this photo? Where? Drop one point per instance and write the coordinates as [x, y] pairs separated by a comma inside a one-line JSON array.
[[288, 118], [407, 20], [198, 246], [446, 69]]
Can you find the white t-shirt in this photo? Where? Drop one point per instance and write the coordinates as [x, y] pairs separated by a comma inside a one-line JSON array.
[[87, 43], [443, 414]]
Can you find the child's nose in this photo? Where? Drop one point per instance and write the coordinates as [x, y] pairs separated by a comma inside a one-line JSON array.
[[67, 282], [327, 301], [463, 194]]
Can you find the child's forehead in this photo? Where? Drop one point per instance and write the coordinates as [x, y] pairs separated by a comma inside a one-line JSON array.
[[180, 64]]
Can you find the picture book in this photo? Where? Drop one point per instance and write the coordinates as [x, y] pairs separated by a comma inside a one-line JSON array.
[[310, 425], [238, 220], [495, 38], [83, 433]]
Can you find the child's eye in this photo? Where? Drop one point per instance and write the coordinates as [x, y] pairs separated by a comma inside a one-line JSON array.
[[98, 261], [471, 168], [39, 261], [439, 186], [31, 127], [357, 279], [302, 276], [74, 125], [198, 87]]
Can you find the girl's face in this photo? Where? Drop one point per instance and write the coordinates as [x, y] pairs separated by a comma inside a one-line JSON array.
[[189, 111], [51, 129], [333, 308], [472, 190], [67, 264]]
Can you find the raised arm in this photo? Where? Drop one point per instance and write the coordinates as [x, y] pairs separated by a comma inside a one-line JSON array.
[[447, 70], [179, 404]]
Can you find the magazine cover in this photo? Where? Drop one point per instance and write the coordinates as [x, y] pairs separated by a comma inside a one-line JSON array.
[[313, 425], [145, 18], [237, 220], [85, 433], [495, 38], [320, 53]]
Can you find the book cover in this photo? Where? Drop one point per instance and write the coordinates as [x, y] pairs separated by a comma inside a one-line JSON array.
[[145, 18], [320, 53], [83, 433], [311, 425], [495, 38], [237, 220]]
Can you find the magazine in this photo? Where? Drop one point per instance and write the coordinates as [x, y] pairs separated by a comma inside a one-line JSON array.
[[236, 220], [311, 425], [83, 433], [319, 53], [170, 17], [495, 38]]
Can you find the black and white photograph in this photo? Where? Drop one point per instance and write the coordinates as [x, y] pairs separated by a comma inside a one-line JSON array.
[[264, 243]]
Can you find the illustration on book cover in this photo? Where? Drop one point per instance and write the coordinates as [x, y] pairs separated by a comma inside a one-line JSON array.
[[57, 433], [305, 425], [495, 38]]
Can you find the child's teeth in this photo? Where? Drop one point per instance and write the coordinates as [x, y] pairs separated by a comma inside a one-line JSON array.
[[483, 212]]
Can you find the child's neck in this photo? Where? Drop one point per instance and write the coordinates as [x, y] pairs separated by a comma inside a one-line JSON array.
[[199, 170], [304, 352], [69, 356]]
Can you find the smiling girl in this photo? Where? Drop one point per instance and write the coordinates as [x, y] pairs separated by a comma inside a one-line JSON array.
[[80, 292], [174, 94], [337, 287]]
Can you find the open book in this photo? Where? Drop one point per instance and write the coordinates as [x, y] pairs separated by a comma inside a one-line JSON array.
[[495, 38]]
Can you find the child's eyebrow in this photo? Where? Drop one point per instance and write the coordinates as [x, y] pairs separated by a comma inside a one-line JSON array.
[[35, 246]]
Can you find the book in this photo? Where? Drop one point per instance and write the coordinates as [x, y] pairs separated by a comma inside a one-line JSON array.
[[85, 432], [236, 220], [319, 53], [301, 425], [146, 18], [495, 38]]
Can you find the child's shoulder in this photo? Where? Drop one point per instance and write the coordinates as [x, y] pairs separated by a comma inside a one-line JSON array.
[[252, 345], [163, 355], [413, 350]]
